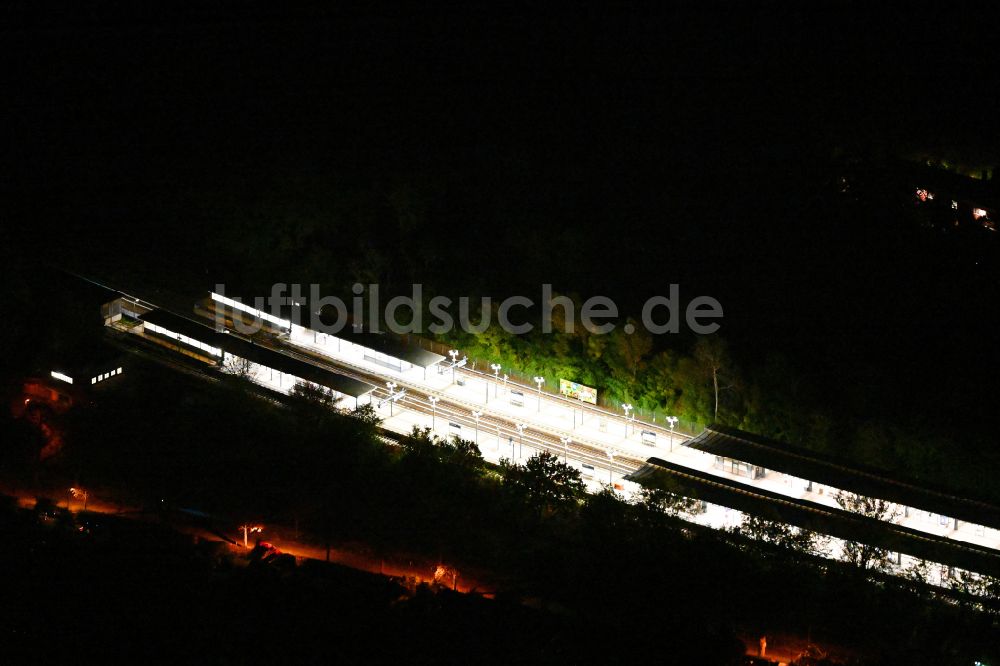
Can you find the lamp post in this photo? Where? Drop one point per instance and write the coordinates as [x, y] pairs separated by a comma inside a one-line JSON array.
[[454, 360], [392, 387], [520, 444], [627, 407], [79, 493], [476, 414], [611, 468], [565, 442], [434, 404], [672, 420], [539, 381], [496, 378], [249, 529]]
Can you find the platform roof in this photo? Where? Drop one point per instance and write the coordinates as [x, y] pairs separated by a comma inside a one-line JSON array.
[[259, 354], [388, 344], [288, 311], [841, 474], [832, 521], [85, 289], [384, 343], [183, 325]]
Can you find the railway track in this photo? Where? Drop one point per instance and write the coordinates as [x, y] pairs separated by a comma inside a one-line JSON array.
[[460, 412], [535, 436]]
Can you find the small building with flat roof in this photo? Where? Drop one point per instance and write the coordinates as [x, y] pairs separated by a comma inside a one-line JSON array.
[[91, 369]]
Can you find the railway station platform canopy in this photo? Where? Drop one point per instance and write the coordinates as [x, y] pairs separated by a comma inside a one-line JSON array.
[[823, 519], [216, 345], [390, 348], [730, 443], [384, 349]]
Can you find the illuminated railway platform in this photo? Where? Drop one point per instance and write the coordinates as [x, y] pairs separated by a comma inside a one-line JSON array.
[[724, 502], [728, 454], [418, 370], [550, 418], [803, 474]]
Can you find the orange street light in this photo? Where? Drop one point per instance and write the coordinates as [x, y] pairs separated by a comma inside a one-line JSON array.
[[79, 493], [247, 529]]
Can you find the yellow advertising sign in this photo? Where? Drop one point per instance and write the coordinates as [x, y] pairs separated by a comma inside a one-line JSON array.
[[578, 391]]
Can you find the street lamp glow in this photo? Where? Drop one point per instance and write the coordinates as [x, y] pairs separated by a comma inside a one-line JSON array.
[[434, 402], [627, 407], [249, 529], [476, 414], [392, 388], [496, 377], [79, 493], [672, 420], [539, 381]]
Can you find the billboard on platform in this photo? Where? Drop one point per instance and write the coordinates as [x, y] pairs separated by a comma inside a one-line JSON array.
[[578, 391]]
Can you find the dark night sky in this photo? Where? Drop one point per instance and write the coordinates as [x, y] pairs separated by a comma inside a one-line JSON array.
[[694, 90], [699, 131]]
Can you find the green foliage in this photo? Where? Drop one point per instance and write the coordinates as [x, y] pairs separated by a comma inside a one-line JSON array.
[[624, 367], [781, 534], [862, 555], [366, 414], [543, 481], [463, 453], [312, 394], [659, 500], [421, 442]]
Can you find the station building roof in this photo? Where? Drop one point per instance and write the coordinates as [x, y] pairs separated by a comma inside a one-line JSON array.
[[87, 363], [841, 474], [259, 354], [832, 521]]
